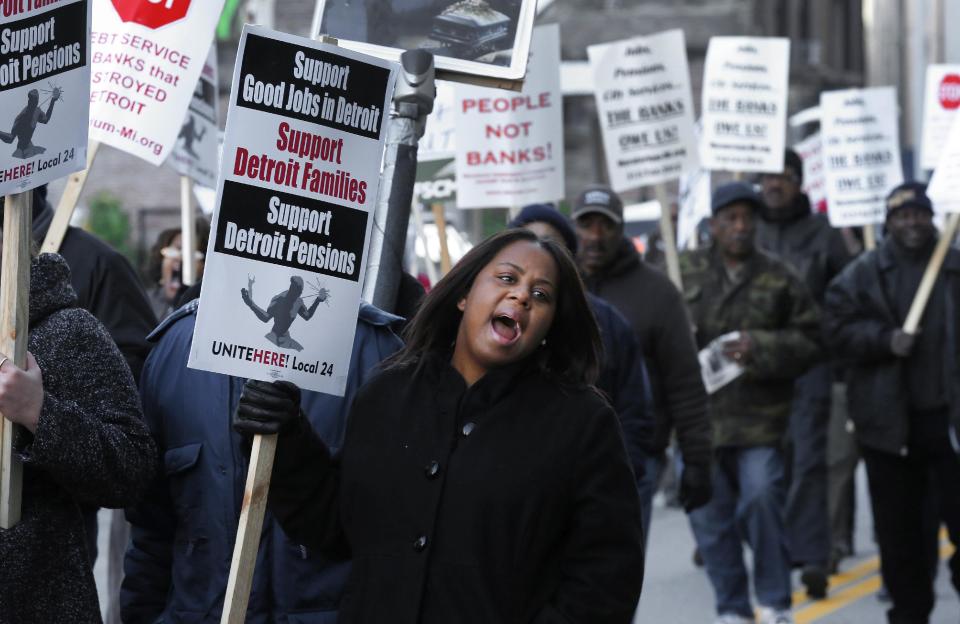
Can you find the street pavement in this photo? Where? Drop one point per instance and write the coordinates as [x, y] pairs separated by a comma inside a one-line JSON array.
[[677, 592]]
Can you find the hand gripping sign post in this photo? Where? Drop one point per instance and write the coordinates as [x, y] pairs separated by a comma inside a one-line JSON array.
[[861, 155], [509, 145], [644, 100], [44, 91], [301, 170], [745, 104]]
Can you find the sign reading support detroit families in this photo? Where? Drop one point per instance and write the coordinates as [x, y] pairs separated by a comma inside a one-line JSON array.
[[745, 104], [646, 109], [861, 153], [44, 91], [146, 58], [300, 174]]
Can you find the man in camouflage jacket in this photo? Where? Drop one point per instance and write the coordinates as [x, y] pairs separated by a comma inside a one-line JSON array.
[[732, 287]]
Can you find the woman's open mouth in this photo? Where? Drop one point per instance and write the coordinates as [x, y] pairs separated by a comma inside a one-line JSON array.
[[506, 329]]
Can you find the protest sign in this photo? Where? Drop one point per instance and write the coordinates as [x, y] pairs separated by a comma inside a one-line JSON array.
[[146, 58], [694, 206], [510, 146], [195, 153], [941, 103], [861, 153], [44, 92], [485, 38], [944, 187], [436, 181], [810, 151], [646, 109], [439, 138], [300, 173], [745, 104]]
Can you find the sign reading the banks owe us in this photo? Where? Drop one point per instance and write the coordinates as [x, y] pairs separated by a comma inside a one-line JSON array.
[[745, 104], [300, 173], [44, 92], [644, 101], [861, 153]]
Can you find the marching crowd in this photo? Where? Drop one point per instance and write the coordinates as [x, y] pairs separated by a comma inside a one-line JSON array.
[[496, 460]]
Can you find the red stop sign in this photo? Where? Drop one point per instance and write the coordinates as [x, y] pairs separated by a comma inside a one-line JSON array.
[[151, 13], [950, 91]]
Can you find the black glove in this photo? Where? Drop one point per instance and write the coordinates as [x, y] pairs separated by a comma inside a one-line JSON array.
[[696, 487], [266, 408], [901, 343]]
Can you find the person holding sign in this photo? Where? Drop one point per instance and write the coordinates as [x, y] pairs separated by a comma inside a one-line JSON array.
[[85, 443], [184, 529], [790, 229], [482, 478], [732, 289], [904, 391]]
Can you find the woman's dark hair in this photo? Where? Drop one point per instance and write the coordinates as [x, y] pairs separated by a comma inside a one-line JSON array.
[[154, 262], [573, 347]]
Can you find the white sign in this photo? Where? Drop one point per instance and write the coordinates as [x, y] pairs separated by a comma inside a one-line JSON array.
[[716, 368], [510, 145], [814, 184], [861, 153], [646, 109], [944, 187], [146, 60], [941, 102], [301, 170], [745, 104], [694, 206], [195, 154], [44, 92], [439, 135], [644, 211]]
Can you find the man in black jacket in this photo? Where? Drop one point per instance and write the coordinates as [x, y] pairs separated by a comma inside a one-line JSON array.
[[804, 240], [904, 391], [612, 269]]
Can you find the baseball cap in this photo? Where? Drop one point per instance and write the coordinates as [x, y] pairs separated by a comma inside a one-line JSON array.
[[733, 192], [909, 194], [600, 199]]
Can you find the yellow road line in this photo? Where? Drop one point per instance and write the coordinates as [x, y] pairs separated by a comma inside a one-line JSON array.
[[815, 610], [856, 573]]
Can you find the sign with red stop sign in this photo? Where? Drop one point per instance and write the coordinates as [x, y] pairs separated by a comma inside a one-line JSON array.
[[151, 13], [950, 91], [941, 105]]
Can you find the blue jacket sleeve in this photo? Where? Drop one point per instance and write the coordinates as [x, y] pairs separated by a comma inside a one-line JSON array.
[[634, 401]]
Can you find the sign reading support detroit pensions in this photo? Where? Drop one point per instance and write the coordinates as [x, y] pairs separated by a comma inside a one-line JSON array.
[[44, 92], [300, 174]]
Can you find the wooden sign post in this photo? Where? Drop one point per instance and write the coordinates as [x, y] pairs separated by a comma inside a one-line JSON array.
[[912, 323], [14, 318], [668, 237], [188, 233], [68, 201], [441, 220], [869, 237]]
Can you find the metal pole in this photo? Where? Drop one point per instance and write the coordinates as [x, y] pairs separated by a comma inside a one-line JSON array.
[[412, 102]]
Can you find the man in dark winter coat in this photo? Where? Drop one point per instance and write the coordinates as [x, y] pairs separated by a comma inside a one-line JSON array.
[[904, 391], [613, 270], [623, 375], [804, 240], [183, 532], [732, 287]]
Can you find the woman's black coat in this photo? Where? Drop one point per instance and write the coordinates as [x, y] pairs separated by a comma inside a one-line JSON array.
[[511, 501]]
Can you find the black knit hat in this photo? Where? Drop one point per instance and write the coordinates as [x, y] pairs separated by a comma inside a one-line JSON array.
[[546, 213]]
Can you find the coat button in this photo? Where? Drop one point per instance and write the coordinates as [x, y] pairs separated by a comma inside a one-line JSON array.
[[468, 428], [432, 470], [420, 544]]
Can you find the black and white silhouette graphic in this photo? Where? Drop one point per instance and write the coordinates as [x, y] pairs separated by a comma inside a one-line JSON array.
[[284, 308], [25, 123], [189, 133]]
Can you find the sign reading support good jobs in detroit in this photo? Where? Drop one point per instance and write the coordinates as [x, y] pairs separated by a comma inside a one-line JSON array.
[[300, 174], [44, 92]]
